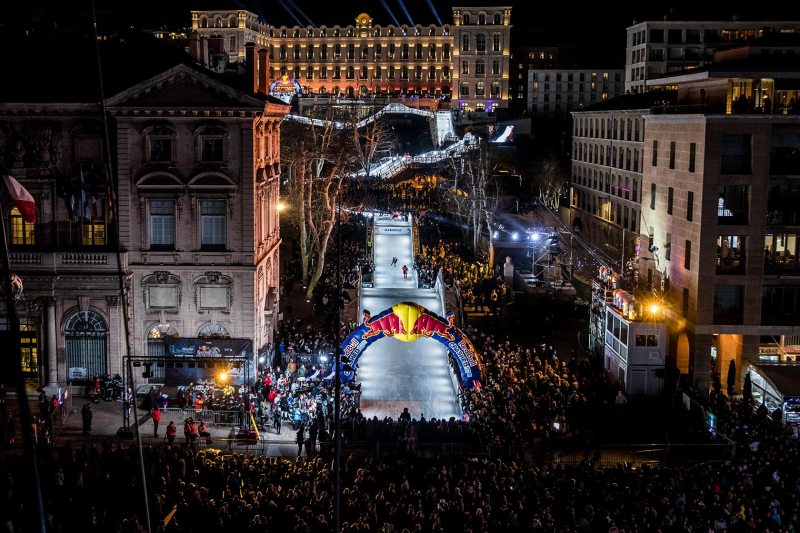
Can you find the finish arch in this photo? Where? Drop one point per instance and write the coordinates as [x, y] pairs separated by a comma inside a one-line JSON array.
[[408, 321]]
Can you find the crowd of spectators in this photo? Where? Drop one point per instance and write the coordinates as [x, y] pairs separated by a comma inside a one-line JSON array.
[[405, 194]]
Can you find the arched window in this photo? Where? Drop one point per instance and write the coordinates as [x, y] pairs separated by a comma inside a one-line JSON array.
[[85, 337], [213, 331], [480, 89], [232, 43], [464, 89], [481, 19], [22, 233], [497, 18], [465, 19], [495, 89], [431, 72], [232, 22], [217, 22], [204, 22]]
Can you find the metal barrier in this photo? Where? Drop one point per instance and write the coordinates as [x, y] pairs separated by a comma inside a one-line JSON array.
[[217, 417]]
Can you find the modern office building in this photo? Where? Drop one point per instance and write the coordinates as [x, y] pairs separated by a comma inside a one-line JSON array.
[[524, 59], [656, 48], [196, 170], [468, 59]]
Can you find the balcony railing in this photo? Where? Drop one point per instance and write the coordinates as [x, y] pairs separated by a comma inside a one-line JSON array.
[[25, 258]]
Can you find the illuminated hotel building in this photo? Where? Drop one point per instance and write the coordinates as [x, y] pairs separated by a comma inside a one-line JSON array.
[[468, 59]]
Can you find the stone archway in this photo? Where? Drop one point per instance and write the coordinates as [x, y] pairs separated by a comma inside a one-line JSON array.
[[407, 322]]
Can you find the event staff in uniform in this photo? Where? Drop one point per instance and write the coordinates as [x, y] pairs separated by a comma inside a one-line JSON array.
[[156, 414]]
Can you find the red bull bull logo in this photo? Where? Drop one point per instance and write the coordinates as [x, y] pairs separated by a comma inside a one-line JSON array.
[[388, 324], [429, 325]]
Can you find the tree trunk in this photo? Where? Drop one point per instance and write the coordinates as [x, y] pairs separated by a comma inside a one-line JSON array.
[[305, 253]]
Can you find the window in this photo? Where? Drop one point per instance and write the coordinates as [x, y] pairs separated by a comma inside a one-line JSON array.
[[692, 155], [668, 247], [337, 72], [391, 72], [93, 233], [687, 255], [732, 206], [480, 89], [350, 72], [646, 340], [780, 305], [160, 147], [730, 254], [323, 72], [418, 72], [22, 233], [446, 72], [480, 43], [377, 72], [655, 153], [652, 196], [364, 72], [378, 51], [495, 90], [391, 50], [670, 195], [481, 19], [464, 91], [213, 224], [689, 206], [464, 66], [404, 52], [480, 68], [432, 51], [685, 303], [337, 51], [497, 41], [497, 18], [309, 74], [728, 304], [162, 224], [672, 155], [735, 153], [465, 19], [496, 67], [211, 148], [324, 52], [418, 51], [446, 53]]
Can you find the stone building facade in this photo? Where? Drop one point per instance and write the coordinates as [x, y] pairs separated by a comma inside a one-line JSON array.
[[196, 174], [468, 59]]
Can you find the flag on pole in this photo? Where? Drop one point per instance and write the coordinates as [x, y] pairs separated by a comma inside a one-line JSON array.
[[22, 199]]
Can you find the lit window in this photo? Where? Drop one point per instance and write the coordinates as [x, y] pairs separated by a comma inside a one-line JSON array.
[[22, 233]]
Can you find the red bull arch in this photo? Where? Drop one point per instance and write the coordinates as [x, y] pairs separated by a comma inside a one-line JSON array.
[[407, 322]]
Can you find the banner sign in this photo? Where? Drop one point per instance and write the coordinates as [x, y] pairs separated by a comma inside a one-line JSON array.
[[407, 322], [190, 347]]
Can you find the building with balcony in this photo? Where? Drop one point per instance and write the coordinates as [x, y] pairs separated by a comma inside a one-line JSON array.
[[468, 57], [195, 171], [656, 48], [720, 201]]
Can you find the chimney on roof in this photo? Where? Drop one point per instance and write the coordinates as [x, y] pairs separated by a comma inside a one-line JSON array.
[[263, 70], [250, 80]]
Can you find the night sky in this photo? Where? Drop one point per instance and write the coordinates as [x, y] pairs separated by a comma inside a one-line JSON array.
[[598, 26]]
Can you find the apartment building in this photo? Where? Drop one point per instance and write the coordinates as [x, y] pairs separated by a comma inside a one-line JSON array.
[[720, 197], [655, 48], [523, 59], [556, 92], [468, 59]]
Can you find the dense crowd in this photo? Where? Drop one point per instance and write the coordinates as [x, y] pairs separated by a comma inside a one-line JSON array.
[[529, 394], [405, 194]]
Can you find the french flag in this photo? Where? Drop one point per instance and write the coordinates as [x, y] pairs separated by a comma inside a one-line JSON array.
[[22, 199]]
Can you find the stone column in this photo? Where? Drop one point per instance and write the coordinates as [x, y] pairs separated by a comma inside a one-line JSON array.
[[52, 363]]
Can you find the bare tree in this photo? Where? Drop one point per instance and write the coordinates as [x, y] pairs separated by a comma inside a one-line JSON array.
[[475, 196], [550, 181], [321, 159]]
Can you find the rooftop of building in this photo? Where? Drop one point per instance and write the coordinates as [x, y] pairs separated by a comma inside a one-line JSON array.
[[633, 101]]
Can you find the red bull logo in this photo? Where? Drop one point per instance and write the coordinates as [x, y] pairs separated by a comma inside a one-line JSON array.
[[429, 325], [388, 324]]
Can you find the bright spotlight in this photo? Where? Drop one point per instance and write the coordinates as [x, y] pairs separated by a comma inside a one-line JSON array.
[[655, 308], [515, 236], [262, 359], [223, 376], [495, 234], [323, 358], [281, 207], [535, 236]]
